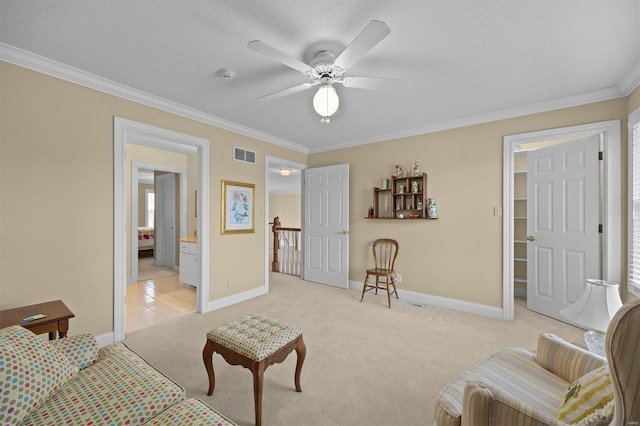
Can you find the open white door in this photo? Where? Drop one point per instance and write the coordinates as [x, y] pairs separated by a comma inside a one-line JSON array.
[[326, 225], [166, 220], [563, 211]]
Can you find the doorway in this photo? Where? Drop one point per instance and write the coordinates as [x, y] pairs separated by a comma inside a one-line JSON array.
[[278, 185], [150, 178], [609, 132], [142, 134]]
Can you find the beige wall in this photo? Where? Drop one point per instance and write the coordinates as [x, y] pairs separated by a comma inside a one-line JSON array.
[[287, 207], [458, 256], [634, 100], [56, 151], [56, 184], [192, 185]]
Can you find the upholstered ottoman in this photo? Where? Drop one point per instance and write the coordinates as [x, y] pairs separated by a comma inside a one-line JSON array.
[[255, 342]]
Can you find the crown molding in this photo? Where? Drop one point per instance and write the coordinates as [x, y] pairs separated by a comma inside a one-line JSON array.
[[41, 64], [56, 69], [554, 104], [630, 81]]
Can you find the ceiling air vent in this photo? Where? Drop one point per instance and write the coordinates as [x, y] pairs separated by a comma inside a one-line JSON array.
[[244, 155]]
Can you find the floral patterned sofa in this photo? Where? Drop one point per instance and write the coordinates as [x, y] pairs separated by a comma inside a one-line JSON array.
[[72, 381]]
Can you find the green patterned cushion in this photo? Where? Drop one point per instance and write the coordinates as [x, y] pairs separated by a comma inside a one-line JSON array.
[[30, 370], [254, 336], [190, 412], [585, 396], [81, 350]]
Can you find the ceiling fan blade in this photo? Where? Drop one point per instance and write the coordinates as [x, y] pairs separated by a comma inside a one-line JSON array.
[[275, 54], [373, 83], [289, 91], [371, 35]]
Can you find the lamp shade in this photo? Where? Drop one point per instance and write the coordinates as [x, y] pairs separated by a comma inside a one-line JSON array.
[[326, 101], [597, 305]]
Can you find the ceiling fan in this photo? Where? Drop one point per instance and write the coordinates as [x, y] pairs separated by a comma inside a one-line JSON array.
[[325, 69]]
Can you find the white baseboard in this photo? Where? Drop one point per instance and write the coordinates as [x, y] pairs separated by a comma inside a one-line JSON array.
[[236, 298], [443, 302], [105, 339]]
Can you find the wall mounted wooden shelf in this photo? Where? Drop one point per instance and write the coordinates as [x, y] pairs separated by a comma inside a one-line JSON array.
[[405, 200]]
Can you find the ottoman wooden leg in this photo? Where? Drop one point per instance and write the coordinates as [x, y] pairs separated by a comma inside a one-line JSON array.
[[258, 375], [301, 350], [207, 357]]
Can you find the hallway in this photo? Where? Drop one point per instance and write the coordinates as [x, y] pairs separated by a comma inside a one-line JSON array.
[[158, 300]]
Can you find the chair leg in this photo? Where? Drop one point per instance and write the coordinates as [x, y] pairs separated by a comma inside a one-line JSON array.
[[388, 293], [395, 290], [364, 287], [377, 284]]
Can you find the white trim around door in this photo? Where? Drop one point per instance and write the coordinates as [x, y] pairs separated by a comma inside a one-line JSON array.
[[611, 262], [154, 137]]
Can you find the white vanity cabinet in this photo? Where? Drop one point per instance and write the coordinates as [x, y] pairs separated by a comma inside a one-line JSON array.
[[189, 261]]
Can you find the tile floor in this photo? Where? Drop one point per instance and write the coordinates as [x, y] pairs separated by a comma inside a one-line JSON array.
[[154, 301]]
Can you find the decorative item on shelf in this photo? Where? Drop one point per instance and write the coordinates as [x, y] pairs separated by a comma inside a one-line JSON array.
[[431, 208], [384, 183], [416, 169], [401, 189], [409, 205], [414, 187], [419, 206], [386, 207], [370, 212], [594, 310], [399, 205], [398, 171]]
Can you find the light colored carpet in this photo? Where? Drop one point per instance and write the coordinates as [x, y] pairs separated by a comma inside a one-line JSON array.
[[366, 364], [148, 271]]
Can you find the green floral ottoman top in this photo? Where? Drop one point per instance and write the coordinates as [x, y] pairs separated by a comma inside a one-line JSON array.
[[254, 336]]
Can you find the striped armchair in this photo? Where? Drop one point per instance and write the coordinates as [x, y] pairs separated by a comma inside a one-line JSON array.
[[623, 353], [518, 387]]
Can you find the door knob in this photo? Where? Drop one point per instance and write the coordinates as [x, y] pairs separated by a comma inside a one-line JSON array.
[[530, 238], [344, 232]]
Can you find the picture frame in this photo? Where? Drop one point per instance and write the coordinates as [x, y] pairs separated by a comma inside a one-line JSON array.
[[238, 212]]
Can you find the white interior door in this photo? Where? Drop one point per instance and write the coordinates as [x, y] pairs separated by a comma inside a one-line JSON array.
[[563, 214], [326, 225], [166, 220]]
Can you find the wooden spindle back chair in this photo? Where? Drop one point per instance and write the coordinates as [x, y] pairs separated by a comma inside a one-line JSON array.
[[385, 253]]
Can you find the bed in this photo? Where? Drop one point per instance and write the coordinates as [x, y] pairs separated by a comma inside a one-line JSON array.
[[146, 238]]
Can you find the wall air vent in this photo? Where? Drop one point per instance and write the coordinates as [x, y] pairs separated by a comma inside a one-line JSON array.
[[244, 155]]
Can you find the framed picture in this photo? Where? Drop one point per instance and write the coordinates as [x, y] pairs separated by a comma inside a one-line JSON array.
[[237, 208]]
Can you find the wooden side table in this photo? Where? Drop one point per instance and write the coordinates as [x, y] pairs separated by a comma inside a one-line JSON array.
[[56, 318]]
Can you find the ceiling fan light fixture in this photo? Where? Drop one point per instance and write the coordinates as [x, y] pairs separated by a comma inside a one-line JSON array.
[[326, 102], [284, 172]]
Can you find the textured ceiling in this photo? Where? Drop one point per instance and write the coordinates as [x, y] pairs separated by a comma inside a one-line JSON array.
[[463, 61]]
